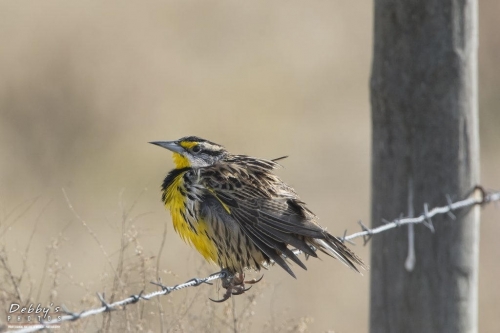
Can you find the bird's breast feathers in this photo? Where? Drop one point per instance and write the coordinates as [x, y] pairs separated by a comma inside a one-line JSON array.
[[183, 209]]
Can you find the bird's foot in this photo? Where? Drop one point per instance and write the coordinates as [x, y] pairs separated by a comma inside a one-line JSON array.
[[235, 285]]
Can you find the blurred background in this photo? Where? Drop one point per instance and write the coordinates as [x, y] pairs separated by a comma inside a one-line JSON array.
[[85, 85]]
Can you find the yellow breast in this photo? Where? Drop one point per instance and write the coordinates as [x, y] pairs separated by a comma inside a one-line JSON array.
[[175, 201]]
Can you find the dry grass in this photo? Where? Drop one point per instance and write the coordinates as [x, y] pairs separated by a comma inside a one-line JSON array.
[[128, 271]]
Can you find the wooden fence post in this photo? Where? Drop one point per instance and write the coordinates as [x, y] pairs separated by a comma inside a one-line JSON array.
[[425, 146]]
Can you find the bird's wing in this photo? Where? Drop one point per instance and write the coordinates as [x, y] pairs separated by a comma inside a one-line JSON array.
[[267, 210]]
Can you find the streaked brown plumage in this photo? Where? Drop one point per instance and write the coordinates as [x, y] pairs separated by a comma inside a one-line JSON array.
[[238, 213]]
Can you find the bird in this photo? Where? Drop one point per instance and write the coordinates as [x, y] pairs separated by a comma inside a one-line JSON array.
[[238, 214]]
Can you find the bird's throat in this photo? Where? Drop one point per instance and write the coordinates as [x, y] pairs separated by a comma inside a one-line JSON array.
[[180, 161]]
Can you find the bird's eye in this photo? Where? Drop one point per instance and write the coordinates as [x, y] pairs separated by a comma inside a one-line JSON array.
[[196, 149]]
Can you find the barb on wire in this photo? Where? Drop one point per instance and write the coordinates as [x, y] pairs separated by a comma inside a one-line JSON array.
[[366, 233], [450, 212]]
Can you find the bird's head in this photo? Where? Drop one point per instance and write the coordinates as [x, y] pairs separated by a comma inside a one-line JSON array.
[[192, 151]]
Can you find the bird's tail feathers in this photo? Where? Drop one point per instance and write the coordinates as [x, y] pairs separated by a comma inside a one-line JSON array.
[[334, 247]]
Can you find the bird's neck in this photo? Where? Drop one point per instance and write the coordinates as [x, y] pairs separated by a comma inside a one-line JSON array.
[[171, 184], [180, 161]]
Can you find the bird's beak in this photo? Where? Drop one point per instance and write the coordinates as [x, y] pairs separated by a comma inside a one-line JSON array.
[[170, 145]]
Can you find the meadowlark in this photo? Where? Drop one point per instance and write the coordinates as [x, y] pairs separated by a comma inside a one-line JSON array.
[[238, 214]]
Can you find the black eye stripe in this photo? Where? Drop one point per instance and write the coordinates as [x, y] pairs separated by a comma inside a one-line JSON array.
[[212, 152]]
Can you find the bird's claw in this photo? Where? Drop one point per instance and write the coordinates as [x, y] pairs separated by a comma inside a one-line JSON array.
[[223, 299], [235, 285], [254, 281]]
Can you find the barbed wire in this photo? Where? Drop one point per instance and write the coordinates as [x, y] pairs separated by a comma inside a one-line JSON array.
[[479, 196], [165, 290]]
